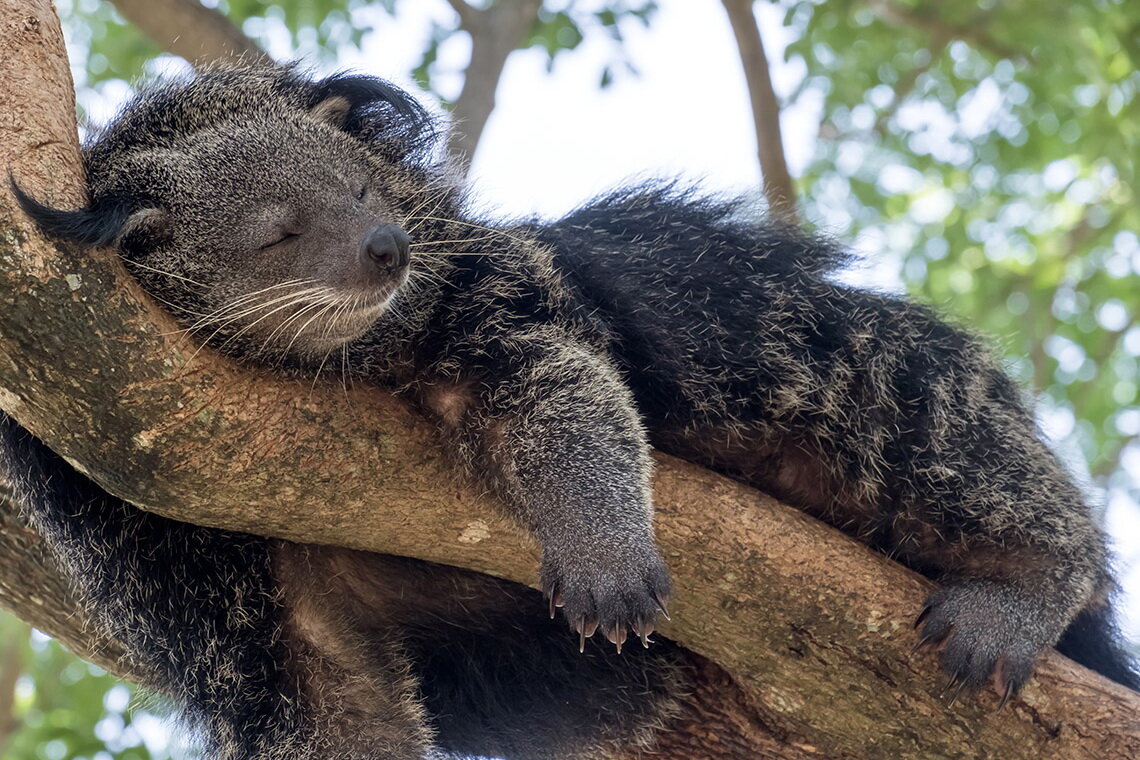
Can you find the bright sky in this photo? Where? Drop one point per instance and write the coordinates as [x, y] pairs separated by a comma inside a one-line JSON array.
[[555, 139]]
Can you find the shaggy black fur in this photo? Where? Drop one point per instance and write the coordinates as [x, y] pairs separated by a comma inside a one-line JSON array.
[[550, 354]]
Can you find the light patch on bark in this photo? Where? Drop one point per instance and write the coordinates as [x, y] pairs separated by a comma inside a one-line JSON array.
[[10, 402], [475, 532]]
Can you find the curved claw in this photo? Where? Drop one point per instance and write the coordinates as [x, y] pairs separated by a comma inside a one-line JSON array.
[[642, 631], [616, 635], [958, 692], [950, 684], [585, 630], [923, 642], [1009, 692], [556, 601]]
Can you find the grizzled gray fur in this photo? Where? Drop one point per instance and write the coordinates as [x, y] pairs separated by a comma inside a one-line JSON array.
[[309, 226]]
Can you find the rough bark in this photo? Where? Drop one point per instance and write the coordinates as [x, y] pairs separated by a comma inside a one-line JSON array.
[[813, 629], [34, 588], [779, 189], [189, 29], [496, 31]]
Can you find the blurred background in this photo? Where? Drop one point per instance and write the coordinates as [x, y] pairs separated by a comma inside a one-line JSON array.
[[980, 156]]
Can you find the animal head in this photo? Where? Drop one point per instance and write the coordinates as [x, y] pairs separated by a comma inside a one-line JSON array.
[[263, 207]]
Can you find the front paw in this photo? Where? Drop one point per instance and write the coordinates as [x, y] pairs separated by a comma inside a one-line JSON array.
[[988, 628], [612, 588]]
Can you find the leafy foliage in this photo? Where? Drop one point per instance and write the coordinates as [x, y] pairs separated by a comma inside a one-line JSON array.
[[66, 709], [998, 141], [323, 30]]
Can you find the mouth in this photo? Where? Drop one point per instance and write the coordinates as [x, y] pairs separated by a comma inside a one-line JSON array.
[[298, 319], [342, 322]]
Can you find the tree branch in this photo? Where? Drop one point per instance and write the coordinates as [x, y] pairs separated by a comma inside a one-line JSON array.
[[779, 189], [496, 32], [189, 29], [813, 628], [34, 589]]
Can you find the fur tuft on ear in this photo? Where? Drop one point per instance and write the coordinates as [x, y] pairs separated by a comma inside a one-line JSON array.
[[99, 225], [377, 111], [361, 90]]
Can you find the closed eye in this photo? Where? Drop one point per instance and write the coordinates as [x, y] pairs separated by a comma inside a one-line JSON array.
[[281, 239]]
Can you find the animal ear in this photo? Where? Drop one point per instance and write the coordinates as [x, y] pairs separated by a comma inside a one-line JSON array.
[[105, 222], [373, 110], [332, 110], [143, 230], [362, 91]]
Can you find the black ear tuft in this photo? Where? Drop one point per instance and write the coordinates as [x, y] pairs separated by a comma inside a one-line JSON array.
[[377, 111], [361, 90], [99, 225]]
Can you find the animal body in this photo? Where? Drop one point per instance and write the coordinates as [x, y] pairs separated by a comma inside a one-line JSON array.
[[308, 225]]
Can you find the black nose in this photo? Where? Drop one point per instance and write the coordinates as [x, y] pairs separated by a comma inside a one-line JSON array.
[[387, 246]]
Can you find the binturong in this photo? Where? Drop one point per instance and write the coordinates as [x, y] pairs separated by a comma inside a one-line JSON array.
[[310, 225]]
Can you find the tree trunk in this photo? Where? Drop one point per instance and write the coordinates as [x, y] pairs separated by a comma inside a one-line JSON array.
[[813, 629], [495, 32], [779, 189]]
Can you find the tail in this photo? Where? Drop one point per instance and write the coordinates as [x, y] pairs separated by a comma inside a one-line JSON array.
[[195, 605], [1094, 640]]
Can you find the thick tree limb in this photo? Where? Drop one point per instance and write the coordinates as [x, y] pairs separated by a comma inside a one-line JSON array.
[[496, 32], [779, 189], [189, 29], [34, 588], [813, 628]]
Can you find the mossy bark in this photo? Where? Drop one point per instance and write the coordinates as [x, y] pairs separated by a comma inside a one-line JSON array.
[[809, 631]]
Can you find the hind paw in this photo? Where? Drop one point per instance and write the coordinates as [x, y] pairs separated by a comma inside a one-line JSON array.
[[987, 630]]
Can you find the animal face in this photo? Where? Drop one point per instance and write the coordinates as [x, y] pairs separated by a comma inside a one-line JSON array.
[[290, 251], [272, 225]]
